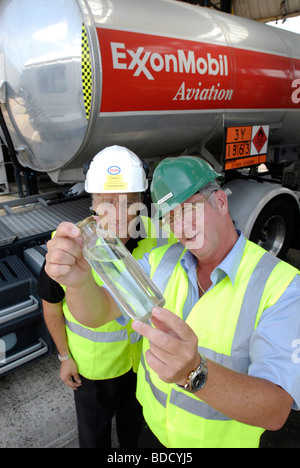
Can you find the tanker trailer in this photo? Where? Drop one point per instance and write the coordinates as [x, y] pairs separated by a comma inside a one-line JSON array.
[[79, 75], [162, 78]]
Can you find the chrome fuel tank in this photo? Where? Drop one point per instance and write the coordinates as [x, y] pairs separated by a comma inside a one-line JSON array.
[[156, 76]]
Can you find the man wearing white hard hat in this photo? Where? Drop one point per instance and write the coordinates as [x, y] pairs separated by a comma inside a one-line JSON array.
[[101, 364]]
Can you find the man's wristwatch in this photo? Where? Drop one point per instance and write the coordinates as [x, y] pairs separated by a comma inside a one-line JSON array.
[[64, 358], [196, 378]]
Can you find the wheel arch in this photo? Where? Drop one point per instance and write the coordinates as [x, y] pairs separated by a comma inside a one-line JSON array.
[[249, 198]]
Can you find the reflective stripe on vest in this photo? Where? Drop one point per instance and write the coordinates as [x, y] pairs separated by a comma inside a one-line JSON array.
[[243, 332], [251, 300], [165, 269], [262, 278], [102, 337]]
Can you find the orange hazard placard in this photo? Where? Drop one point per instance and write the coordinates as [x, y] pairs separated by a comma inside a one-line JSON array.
[[238, 142], [245, 146], [238, 150], [238, 134], [239, 163]]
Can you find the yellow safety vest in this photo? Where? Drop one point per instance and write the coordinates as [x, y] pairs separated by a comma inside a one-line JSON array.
[[112, 349], [224, 320]]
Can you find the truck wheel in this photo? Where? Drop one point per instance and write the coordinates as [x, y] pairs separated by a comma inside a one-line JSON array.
[[274, 228]]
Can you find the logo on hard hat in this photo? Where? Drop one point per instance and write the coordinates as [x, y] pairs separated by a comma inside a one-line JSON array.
[[114, 170]]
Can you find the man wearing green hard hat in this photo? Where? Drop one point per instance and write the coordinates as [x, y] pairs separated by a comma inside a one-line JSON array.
[[209, 376], [177, 179], [216, 368]]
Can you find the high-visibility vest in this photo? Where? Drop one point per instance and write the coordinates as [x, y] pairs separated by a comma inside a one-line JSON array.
[[223, 320], [112, 349]]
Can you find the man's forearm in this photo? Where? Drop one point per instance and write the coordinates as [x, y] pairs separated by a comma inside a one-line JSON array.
[[247, 399], [173, 353], [54, 319], [91, 304]]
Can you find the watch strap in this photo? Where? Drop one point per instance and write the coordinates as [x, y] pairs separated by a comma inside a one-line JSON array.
[[64, 358], [201, 369]]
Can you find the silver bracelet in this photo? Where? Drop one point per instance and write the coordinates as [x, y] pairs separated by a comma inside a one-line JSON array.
[[64, 358]]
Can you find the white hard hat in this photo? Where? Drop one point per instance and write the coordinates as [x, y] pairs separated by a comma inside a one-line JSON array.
[[116, 169]]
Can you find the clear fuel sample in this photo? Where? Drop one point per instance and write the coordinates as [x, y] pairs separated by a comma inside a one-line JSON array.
[[118, 269]]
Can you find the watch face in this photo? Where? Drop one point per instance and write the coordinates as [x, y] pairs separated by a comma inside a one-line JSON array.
[[199, 380]]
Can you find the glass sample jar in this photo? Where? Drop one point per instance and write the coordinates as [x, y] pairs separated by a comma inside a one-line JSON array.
[[120, 272]]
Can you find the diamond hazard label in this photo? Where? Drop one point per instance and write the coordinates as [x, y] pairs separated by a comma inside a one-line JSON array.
[[259, 142]]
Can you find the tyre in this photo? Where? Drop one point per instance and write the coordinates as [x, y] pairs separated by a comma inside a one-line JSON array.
[[274, 228]]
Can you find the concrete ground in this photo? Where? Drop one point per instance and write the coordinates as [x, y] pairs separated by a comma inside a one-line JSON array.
[[37, 409]]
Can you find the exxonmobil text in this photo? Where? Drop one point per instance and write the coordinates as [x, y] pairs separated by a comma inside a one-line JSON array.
[[142, 61]]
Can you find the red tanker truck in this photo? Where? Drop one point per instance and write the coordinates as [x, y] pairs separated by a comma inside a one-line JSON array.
[[163, 78]]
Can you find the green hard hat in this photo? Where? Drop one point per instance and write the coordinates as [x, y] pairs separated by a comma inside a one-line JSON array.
[[178, 178]]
